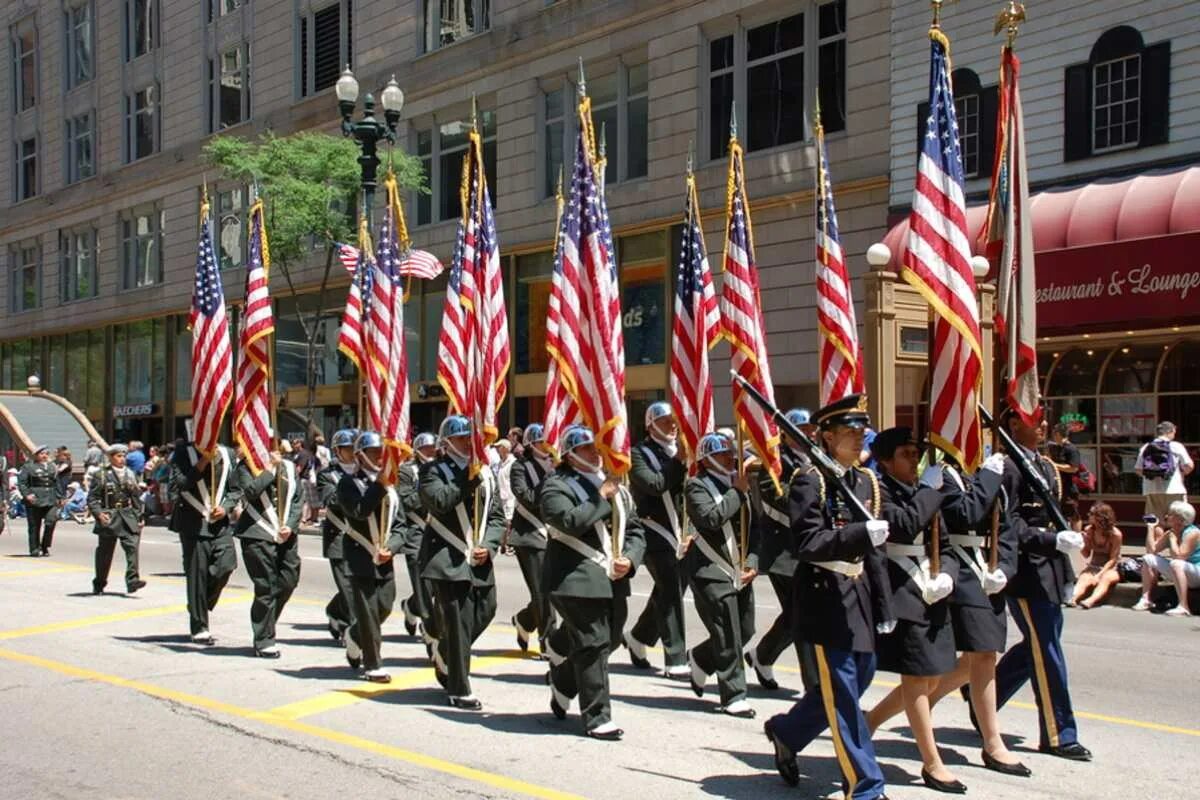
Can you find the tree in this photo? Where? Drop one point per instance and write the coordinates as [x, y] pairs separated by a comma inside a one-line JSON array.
[[309, 183]]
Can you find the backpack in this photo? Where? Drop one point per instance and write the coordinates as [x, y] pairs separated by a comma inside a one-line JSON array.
[[1158, 460], [1084, 480]]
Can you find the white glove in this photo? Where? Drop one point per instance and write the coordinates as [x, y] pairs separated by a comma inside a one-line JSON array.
[[878, 530], [994, 463], [937, 588], [933, 477], [1069, 541], [994, 582], [885, 627]]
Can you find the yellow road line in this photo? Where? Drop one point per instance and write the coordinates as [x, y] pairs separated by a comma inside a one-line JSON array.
[[501, 782], [100, 619], [20, 573]]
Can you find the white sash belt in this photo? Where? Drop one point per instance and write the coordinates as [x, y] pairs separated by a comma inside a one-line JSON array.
[[912, 559], [851, 569], [968, 547], [602, 558], [457, 540], [731, 546], [775, 515], [205, 504], [268, 517], [539, 527], [672, 535]]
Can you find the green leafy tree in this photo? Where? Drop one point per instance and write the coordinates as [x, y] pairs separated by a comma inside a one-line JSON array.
[[309, 183]]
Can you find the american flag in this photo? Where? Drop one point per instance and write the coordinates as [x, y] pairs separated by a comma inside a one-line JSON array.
[[350, 336], [348, 255], [391, 366], [697, 328], [413, 263], [583, 324], [473, 349], [840, 357], [742, 319], [252, 406], [1010, 236], [938, 264], [561, 411], [212, 359]]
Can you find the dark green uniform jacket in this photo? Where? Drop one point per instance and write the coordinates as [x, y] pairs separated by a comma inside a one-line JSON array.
[[116, 493], [41, 481], [190, 492], [771, 509], [526, 479], [449, 496], [414, 513], [361, 498], [335, 517], [656, 480], [259, 519], [714, 510]]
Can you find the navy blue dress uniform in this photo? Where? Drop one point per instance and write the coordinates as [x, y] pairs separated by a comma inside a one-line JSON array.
[[42, 495], [116, 504], [209, 558], [464, 592], [528, 538], [591, 601], [1043, 582], [841, 594], [273, 562], [656, 478], [338, 611], [716, 560], [418, 606]]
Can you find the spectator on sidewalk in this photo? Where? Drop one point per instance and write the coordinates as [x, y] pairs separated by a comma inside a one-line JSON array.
[[76, 507], [1163, 464], [136, 458], [1172, 551], [1066, 459], [1102, 550], [63, 464]]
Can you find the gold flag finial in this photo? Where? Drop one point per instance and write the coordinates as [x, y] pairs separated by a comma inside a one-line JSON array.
[[937, 12], [474, 112], [691, 155], [1010, 19]]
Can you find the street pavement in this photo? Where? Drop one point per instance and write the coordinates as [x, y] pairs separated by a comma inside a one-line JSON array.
[[104, 697]]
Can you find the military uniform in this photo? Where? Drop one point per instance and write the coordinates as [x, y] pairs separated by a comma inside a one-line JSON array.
[[373, 585], [464, 593], [115, 493], [208, 554], [419, 605], [715, 562], [338, 611], [41, 481], [528, 538], [592, 606], [274, 566], [656, 481]]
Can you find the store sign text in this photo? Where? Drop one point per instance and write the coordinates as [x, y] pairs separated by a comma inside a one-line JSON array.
[[1138, 280]]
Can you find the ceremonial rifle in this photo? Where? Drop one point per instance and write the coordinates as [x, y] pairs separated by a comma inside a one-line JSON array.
[[1031, 475]]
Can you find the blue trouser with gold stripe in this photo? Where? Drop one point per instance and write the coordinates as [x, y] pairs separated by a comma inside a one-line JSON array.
[[842, 678], [1039, 657]]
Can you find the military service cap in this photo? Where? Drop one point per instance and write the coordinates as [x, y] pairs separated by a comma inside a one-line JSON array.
[[888, 441], [850, 411]]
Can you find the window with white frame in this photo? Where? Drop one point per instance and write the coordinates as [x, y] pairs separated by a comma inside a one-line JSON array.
[[25, 277], [231, 232], [1116, 103], [23, 41], [831, 65], [78, 249], [441, 147], [221, 8], [966, 111], [143, 123], [326, 39], [25, 184], [80, 44], [229, 88], [448, 21], [81, 147], [141, 247], [141, 27]]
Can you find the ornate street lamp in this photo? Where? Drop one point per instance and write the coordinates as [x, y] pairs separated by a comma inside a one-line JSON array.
[[367, 131]]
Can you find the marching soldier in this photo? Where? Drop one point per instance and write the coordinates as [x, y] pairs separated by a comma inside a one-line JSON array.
[[594, 549], [656, 479], [339, 609], [528, 536], [267, 529], [1044, 581], [201, 517], [116, 504], [376, 531], [722, 562], [38, 484], [418, 607], [457, 554], [779, 563], [838, 606]]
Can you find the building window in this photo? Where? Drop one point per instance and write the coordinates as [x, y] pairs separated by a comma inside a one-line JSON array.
[[141, 27], [141, 247], [1120, 98], [326, 46], [221, 8], [81, 148], [441, 149], [140, 362], [229, 88], [966, 111], [23, 38], [25, 157], [78, 249], [231, 233], [79, 45], [25, 277], [143, 123], [448, 21], [831, 65], [975, 108]]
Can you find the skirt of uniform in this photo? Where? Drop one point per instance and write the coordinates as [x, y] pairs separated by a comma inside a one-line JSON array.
[[979, 630], [917, 648]]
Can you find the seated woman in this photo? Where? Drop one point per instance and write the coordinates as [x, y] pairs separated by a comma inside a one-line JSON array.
[[76, 506], [1102, 548], [1174, 553]]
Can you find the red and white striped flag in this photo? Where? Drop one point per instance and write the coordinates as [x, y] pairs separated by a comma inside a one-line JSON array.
[[388, 353], [252, 406], [938, 264], [560, 412], [742, 319], [350, 334], [413, 263], [840, 356], [347, 255], [1010, 237], [697, 328], [212, 358]]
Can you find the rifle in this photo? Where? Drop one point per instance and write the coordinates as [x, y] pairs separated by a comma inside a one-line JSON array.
[[1032, 476]]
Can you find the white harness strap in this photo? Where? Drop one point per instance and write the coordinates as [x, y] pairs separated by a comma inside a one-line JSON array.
[[731, 546], [465, 528], [912, 559], [851, 569], [775, 515], [267, 516], [204, 504], [535, 479], [969, 548], [602, 558], [672, 535]]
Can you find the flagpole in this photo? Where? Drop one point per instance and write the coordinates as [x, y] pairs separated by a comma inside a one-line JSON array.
[[206, 230]]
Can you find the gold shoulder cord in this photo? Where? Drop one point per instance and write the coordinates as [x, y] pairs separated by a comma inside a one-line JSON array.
[[820, 483], [876, 505], [1058, 487]]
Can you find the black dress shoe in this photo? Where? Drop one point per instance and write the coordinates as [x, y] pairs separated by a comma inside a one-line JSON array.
[[466, 703], [1073, 751], [1018, 769], [763, 681], [785, 757], [613, 735], [949, 787], [97, 588], [133, 587], [45, 552]]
